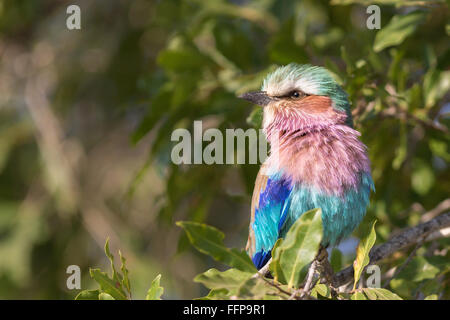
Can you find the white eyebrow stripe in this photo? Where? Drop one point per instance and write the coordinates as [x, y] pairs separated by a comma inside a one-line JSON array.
[[308, 87], [288, 85]]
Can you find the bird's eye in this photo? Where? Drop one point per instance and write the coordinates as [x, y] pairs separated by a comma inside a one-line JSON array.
[[295, 94]]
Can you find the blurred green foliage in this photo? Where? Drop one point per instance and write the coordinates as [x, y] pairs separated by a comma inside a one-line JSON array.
[[86, 117], [291, 258], [116, 286]]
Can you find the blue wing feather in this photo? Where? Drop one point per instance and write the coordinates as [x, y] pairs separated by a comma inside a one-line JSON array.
[[270, 215]]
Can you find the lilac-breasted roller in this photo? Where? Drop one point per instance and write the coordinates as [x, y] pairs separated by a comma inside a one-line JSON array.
[[316, 160]]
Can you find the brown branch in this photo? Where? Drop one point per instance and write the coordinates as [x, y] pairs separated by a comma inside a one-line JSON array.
[[441, 207], [406, 238], [441, 233]]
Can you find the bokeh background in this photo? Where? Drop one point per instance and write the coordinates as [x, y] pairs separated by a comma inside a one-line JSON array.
[[86, 117]]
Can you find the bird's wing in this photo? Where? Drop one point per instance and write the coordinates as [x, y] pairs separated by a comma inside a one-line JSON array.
[[270, 205], [260, 186]]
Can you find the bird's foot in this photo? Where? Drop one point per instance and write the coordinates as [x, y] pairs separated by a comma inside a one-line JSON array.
[[326, 270], [322, 267]]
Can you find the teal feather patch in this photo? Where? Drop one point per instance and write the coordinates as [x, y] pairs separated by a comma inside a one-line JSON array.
[[281, 204], [341, 214]]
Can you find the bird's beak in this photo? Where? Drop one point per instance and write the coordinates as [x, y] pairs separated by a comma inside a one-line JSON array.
[[258, 97]]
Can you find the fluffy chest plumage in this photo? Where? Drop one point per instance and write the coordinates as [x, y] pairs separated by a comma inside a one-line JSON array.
[[329, 161]]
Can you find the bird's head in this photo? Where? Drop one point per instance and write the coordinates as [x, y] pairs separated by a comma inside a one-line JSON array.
[[301, 98]]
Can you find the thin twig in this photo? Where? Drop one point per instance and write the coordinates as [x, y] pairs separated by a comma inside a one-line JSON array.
[[264, 270], [274, 285], [394, 110], [441, 207], [292, 295], [398, 112], [310, 279]]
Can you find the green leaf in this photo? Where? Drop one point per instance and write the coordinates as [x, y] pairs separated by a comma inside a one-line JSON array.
[[380, 294], [105, 296], [403, 287], [115, 275], [253, 14], [233, 44], [398, 3], [348, 60], [409, 287], [371, 294], [440, 149], [216, 294], [397, 30], [182, 60], [159, 106], [88, 295], [362, 254], [358, 296], [283, 49], [125, 278], [275, 266], [401, 150], [233, 282], [422, 177], [321, 289], [336, 259], [421, 268], [230, 279], [209, 240], [432, 286], [258, 289], [432, 297], [108, 285], [436, 84], [155, 292], [334, 70], [299, 248]]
